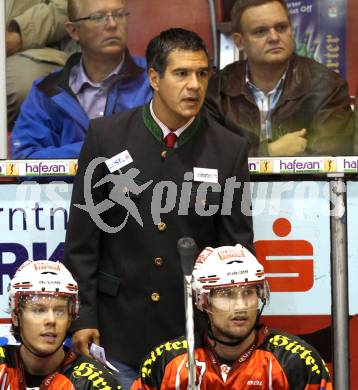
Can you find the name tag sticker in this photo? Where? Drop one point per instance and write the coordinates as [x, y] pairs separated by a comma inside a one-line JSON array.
[[207, 175], [119, 161]]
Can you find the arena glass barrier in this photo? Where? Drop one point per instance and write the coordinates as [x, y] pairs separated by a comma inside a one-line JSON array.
[[305, 216]]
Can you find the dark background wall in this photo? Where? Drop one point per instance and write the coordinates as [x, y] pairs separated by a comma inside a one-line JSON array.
[[148, 18]]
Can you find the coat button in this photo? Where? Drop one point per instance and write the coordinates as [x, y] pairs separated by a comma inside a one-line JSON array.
[[158, 261], [162, 226], [155, 297]]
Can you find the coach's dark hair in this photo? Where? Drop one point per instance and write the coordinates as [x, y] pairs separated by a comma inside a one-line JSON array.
[[241, 5], [163, 44]]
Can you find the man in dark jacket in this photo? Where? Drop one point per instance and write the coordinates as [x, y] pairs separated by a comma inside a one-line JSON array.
[[104, 79], [146, 178], [283, 104]]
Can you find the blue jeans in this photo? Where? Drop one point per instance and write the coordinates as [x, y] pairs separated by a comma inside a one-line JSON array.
[[126, 375]]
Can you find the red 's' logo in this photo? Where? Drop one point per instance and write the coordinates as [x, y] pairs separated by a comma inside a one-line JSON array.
[[292, 274]]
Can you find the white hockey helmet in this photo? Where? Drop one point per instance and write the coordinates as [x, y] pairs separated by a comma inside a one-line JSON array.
[[43, 277], [223, 267]]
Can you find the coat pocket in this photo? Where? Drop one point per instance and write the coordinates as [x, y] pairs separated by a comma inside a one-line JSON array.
[[108, 284]]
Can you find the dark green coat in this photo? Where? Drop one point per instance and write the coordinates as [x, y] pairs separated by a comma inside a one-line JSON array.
[[119, 273]]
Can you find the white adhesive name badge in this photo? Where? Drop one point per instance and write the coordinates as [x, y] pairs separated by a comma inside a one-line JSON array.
[[119, 161], [206, 175]]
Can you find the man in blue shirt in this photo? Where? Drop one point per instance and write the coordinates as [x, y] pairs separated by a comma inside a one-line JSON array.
[[102, 80]]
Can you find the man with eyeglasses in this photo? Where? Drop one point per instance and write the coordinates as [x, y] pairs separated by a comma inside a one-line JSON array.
[[102, 80], [43, 301], [284, 104], [234, 350]]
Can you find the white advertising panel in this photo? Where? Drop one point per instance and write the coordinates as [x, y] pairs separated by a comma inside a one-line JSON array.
[[292, 239], [33, 220], [291, 225], [352, 226]]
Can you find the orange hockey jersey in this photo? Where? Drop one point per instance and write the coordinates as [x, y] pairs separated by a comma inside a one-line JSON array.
[[76, 372], [277, 361]]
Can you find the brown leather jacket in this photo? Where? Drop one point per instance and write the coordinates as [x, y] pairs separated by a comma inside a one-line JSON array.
[[313, 97]]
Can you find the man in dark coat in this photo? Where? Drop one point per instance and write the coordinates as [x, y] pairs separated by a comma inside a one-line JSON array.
[[138, 191], [285, 105]]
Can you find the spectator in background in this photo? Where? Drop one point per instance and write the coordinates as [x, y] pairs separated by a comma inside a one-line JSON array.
[[36, 44], [285, 105], [104, 79]]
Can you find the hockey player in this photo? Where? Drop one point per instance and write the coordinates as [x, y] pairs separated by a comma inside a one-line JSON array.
[[235, 351], [43, 301]]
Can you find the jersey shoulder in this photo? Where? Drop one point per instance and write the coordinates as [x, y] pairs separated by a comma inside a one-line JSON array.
[[87, 374], [153, 366], [299, 360], [8, 355]]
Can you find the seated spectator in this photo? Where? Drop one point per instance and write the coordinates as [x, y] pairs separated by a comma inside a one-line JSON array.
[[104, 79], [285, 105], [36, 44], [43, 302], [235, 351]]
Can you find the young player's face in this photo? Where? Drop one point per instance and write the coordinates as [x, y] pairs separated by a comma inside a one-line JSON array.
[[233, 312], [266, 34], [180, 92], [44, 321]]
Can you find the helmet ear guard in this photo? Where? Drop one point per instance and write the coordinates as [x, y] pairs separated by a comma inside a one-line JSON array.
[[201, 301]]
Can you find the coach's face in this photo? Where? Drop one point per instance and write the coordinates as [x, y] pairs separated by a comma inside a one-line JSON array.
[[179, 93], [266, 35]]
